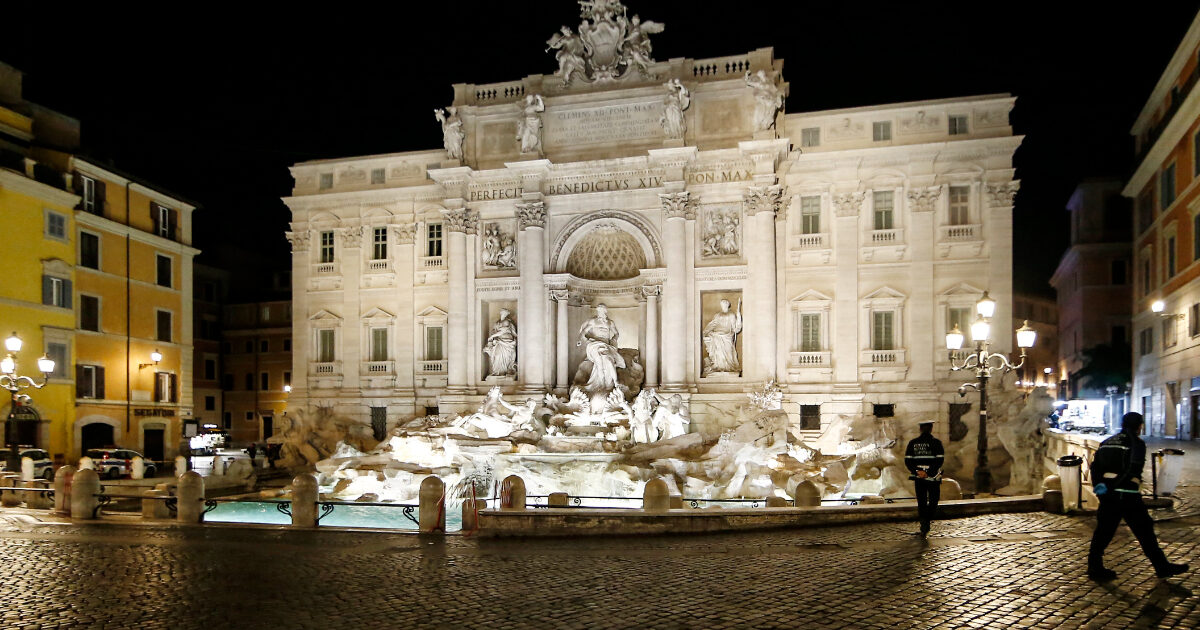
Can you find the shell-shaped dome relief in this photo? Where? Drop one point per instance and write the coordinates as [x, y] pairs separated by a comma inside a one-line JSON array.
[[606, 253]]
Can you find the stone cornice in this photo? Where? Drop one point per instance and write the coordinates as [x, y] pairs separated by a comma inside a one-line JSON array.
[[1158, 154], [1183, 54], [405, 194], [26, 186], [120, 229]]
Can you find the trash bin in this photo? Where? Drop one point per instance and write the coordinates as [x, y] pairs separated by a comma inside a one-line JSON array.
[[1070, 469], [1170, 467]]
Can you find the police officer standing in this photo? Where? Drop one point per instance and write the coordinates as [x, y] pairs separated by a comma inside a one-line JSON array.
[[924, 457], [1116, 479]]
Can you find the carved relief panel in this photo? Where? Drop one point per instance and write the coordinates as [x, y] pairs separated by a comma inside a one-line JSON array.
[[721, 231], [498, 245]]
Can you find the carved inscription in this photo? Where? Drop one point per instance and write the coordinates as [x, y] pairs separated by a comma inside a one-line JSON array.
[[616, 123]]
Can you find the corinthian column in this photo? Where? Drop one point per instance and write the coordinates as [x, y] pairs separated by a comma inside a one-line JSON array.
[[456, 259], [650, 352], [561, 338], [675, 210], [531, 348], [761, 204]]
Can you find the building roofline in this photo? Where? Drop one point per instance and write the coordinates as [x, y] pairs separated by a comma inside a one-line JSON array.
[[1169, 76], [123, 177], [906, 105]]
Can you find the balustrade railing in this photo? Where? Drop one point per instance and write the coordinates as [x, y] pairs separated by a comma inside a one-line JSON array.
[[325, 269], [721, 67], [959, 232], [431, 367], [809, 241], [499, 92], [378, 367], [379, 265], [810, 359], [882, 357], [886, 237], [433, 262]]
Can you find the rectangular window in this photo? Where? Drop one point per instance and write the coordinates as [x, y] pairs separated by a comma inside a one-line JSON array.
[[379, 422], [810, 215], [1170, 333], [1196, 154], [249, 382], [210, 370], [960, 317], [959, 205], [56, 292], [249, 416], [1118, 272], [1145, 341], [433, 239], [287, 379], [89, 313], [958, 125], [379, 241], [164, 387], [164, 325], [810, 137], [884, 411], [227, 382], [1147, 276], [264, 345], [227, 418], [882, 330], [264, 381], [89, 381], [287, 345], [89, 195], [377, 176], [379, 344], [58, 353], [56, 226], [1196, 237], [881, 131], [1194, 320], [327, 247], [325, 346], [433, 343], [1145, 209], [249, 347], [89, 250], [810, 332], [164, 270], [883, 209], [1166, 182], [810, 417], [1171, 257], [164, 221], [210, 403], [326, 181]]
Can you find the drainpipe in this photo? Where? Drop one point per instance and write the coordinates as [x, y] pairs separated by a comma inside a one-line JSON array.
[[128, 325]]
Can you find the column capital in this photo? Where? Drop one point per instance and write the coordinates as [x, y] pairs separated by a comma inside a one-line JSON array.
[[1002, 194], [848, 204], [405, 234], [924, 199], [678, 205], [757, 199], [461, 220], [352, 237], [652, 290], [299, 241], [531, 215]]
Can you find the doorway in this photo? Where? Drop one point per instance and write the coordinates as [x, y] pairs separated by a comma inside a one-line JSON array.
[[153, 441], [268, 424], [96, 435], [1194, 416]]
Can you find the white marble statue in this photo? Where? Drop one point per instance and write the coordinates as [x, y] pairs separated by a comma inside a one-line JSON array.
[[641, 418], [637, 45], [600, 336], [529, 128], [671, 418], [767, 100], [677, 100], [720, 341], [452, 131], [570, 54], [501, 346]]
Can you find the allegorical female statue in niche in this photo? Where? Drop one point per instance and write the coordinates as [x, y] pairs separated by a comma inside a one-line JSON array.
[[600, 336], [501, 347], [452, 131], [720, 341]]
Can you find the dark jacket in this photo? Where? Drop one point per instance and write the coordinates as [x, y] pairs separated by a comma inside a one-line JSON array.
[[924, 452], [1119, 462]]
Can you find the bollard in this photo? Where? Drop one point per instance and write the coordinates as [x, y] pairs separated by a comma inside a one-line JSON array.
[[153, 506], [86, 463], [30, 498], [432, 510], [137, 469], [676, 501], [1052, 499], [470, 509], [776, 502], [512, 493], [180, 465], [950, 489], [62, 490], [218, 466], [26, 469], [304, 501], [558, 499], [84, 488], [656, 496], [806, 494], [8, 498], [189, 506]]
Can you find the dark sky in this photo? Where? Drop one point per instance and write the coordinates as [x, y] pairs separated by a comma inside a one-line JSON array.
[[214, 106]]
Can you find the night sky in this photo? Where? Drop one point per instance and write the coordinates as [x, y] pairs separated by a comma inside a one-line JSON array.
[[214, 106]]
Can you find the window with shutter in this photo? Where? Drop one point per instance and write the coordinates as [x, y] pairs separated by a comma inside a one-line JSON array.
[[810, 332], [89, 250], [325, 346], [163, 270], [379, 340], [89, 313], [882, 330], [164, 325]]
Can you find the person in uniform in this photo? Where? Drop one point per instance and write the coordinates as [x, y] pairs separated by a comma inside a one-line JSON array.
[[1116, 478], [924, 457]]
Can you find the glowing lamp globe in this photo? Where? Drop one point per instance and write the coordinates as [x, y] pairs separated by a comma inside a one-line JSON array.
[[986, 306], [8, 365], [1157, 306], [980, 329], [46, 364], [1026, 336], [156, 356], [13, 343], [954, 339]]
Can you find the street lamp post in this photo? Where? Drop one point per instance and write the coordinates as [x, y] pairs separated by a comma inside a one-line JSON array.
[[984, 362], [14, 383]]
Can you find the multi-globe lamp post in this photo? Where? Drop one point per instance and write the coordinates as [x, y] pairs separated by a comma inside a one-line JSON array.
[[14, 383], [984, 362]]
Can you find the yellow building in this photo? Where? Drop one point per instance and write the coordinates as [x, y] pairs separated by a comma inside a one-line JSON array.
[[133, 339], [36, 295]]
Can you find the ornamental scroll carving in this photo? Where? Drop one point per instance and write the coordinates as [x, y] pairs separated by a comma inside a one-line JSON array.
[[352, 237], [763, 199], [531, 215], [848, 204], [677, 205], [299, 241], [1003, 194], [405, 234], [924, 199]]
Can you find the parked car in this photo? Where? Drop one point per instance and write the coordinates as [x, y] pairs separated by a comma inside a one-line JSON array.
[[112, 463], [42, 466]]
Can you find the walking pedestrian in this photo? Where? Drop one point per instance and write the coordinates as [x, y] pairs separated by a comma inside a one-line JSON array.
[[1116, 479], [252, 450], [924, 457]]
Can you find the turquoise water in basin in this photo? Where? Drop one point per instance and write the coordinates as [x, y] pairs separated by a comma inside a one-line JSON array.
[[370, 516]]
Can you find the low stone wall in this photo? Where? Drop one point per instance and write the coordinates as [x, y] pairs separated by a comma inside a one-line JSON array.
[[1059, 444], [596, 522]]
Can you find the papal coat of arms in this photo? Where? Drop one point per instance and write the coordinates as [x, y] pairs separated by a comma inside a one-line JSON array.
[[608, 45]]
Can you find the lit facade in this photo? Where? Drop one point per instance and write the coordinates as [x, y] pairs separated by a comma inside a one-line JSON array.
[[257, 372], [1041, 313], [1166, 248]]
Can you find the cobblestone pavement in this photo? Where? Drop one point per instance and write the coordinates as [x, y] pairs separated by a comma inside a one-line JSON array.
[[1017, 570]]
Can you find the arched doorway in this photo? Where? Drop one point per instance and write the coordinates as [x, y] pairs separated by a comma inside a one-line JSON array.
[[96, 435]]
